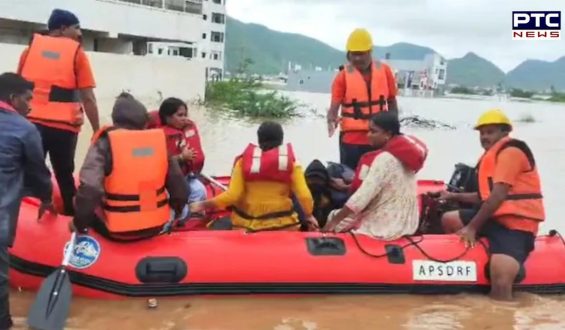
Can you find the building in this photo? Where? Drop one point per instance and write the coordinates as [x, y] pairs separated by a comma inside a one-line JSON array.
[[211, 46], [214, 38], [424, 75], [145, 46], [412, 76]]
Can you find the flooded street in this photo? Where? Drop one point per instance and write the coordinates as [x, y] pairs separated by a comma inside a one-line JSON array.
[[223, 138]]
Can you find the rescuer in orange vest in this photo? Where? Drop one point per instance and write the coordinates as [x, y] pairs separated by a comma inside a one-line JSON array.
[[509, 203], [117, 194], [362, 88], [59, 68]]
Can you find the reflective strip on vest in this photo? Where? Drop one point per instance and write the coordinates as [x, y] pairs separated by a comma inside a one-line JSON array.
[[256, 161], [283, 158]]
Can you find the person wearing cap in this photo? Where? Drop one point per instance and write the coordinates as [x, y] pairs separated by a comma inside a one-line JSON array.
[[117, 195], [60, 70], [22, 172], [363, 87], [509, 203]]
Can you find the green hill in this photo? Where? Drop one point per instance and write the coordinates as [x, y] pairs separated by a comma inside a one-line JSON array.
[[472, 70], [271, 51], [538, 75]]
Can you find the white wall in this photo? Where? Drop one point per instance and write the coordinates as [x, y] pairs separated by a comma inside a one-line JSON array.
[[112, 17], [148, 78]]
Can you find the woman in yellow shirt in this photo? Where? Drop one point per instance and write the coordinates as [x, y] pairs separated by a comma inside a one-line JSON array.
[[263, 180]]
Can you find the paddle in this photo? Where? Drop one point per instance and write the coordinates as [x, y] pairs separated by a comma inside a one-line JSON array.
[[51, 306], [214, 181], [167, 228]]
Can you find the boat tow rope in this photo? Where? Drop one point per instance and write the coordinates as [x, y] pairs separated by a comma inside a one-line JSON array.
[[553, 233], [417, 245]]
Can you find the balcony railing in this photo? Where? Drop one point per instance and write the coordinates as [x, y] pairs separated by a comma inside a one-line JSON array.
[[187, 6]]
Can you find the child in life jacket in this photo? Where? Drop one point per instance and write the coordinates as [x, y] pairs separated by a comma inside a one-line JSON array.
[[183, 143]]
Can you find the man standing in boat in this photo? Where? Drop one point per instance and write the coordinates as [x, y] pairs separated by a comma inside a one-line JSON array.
[[509, 203], [363, 87], [61, 72], [21, 162]]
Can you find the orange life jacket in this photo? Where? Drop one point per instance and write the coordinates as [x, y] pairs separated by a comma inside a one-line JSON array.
[[135, 188], [100, 132], [409, 150], [361, 99], [524, 198], [276, 164], [50, 65]]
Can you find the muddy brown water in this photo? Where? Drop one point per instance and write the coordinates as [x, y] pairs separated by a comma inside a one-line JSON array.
[[223, 137]]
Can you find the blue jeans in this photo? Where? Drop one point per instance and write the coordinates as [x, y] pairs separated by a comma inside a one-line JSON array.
[[197, 189], [197, 194]]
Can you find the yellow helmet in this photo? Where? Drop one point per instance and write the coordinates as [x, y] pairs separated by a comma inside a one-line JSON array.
[[493, 116], [359, 41]]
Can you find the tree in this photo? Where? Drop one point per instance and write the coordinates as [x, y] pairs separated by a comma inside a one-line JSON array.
[[243, 66]]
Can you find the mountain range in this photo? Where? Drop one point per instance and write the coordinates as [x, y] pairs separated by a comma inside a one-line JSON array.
[[271, 51]]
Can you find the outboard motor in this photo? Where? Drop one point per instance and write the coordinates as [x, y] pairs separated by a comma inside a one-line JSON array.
[[463, 179]]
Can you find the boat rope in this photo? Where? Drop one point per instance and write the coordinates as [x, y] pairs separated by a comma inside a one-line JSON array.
[[417, 245], [553, 233]]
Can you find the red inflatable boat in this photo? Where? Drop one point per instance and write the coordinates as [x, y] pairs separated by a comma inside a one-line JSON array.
[[200, 261]]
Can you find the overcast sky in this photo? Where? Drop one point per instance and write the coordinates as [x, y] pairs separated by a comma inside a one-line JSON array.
[[451, 27]]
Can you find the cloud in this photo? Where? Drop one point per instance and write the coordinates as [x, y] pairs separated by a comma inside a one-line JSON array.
[[451, 27]]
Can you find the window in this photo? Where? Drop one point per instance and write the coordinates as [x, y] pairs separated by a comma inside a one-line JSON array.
[[153, 3], [176, 5], [203, 55], [217, 37], [441, 74], [203, 35], [216, 56], [217, 1], [218, 18], [193, 6], [205, 17]]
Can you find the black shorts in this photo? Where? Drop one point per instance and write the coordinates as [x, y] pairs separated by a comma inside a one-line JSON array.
[[514, 243]]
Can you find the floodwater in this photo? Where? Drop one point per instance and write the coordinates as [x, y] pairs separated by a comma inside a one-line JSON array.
[[224, 137]]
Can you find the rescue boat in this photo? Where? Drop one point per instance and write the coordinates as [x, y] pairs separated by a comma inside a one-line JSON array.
[[195, 261]]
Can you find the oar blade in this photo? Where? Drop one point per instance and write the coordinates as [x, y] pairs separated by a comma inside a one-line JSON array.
[[51, 306]]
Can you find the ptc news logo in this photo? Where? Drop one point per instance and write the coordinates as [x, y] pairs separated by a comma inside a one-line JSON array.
[[536, 25]]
